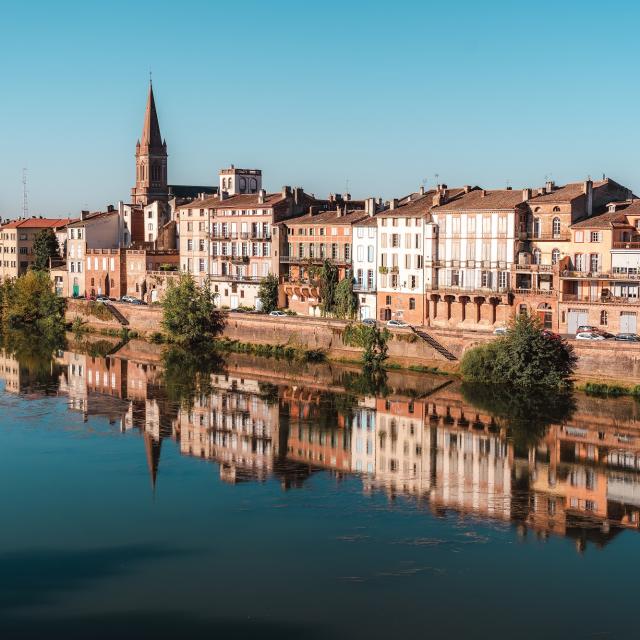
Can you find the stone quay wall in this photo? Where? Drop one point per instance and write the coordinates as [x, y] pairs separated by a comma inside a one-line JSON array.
[[598, 361]]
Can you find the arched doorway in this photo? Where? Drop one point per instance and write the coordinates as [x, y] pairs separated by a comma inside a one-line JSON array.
[[545, 313]]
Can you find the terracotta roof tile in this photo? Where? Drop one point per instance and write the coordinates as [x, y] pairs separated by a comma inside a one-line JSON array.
[[329, 217], [38, 223], [241, 201], [483, 200], [604, 221]]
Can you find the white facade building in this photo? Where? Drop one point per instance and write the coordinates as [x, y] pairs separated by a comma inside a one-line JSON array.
[[365, 266]]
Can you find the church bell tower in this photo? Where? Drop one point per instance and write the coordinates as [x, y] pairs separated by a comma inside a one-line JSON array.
[[151, 159]]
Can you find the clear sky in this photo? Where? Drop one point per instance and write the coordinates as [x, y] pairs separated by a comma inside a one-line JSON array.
[[382, 94]]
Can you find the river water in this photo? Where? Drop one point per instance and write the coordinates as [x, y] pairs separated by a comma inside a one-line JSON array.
[[271, 499]]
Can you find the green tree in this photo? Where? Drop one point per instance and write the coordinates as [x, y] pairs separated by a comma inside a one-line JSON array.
[[328, 277], [346, 301], [45, 246], [30, 301], [190, 317], [268, 293], [372, 340], [526, 357]]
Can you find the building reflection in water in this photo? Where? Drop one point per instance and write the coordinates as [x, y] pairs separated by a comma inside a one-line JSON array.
[[581, 479]]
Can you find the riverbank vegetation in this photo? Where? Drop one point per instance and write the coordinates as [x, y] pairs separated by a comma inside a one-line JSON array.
[[190, 317], [526, 358], [268, 293], [30, 302], [372, 340]]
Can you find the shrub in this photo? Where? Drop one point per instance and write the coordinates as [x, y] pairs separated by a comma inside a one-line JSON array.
[[268, 293], [156, 337], [525, 358]]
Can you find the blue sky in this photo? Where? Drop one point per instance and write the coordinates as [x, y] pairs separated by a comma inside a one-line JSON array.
[[382, 94]]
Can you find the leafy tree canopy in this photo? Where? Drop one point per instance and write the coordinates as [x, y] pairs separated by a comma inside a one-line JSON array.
[[268, 293], [526, 357], [30, 301], [190, 317], [45, 246], [346, 302]]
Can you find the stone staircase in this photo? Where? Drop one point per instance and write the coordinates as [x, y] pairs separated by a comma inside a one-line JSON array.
[[117, 315], [440, 348]]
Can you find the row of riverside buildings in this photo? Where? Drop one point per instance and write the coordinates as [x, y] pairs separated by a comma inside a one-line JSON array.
[[447, 257]]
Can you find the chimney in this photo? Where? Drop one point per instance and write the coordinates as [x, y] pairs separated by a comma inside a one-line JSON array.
[[224, 195], [438, 199], [110, 208], [587, 189], [261, 196], [286, 191], [422, 190], [347, 197], [466, 188], [393, 204], [370, 206], [409, 197], [83, 214], [483, 193], [339, 212], [548, 186], [526, 195], [298, 192]]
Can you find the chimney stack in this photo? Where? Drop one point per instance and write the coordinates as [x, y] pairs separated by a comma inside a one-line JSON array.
[[422, 190], [298, 192], [548, 186], [261, 195], [466, 188], [286, 191], [393, 203], [526, 195]]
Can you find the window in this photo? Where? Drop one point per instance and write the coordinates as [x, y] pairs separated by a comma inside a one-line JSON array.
[[149, 215], [412, 303], [555, 256], [556, 227], [536, 227], [189, 245], [537, 257], [595, 236], [388, 300], [370, 253], [604, 318], [150, 226]]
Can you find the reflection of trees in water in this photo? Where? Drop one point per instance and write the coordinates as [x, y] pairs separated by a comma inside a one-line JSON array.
[[35, 353], [367, 383], [526, 416], [188, 374]]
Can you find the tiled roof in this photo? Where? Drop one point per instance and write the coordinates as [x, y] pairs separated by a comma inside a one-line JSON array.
[[568, 192], [329, 217], [603, 221], [92, 216], [419, 205], [38, 223], [369, 221], [483, 200], [241, 201]]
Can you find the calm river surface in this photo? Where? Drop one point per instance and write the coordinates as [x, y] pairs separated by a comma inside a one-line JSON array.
[[274, 500]]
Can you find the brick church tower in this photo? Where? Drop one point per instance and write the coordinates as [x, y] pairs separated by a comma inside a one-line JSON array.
[[151, 159]]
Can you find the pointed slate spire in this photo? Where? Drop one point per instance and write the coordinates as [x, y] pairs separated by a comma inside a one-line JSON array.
[[152, 450], [151, 137]]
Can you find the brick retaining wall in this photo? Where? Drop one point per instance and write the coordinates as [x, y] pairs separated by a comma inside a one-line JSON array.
[[609, 361]]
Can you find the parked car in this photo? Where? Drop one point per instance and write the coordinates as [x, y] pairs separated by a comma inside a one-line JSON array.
[[628, 337], [103, 299], [589, 335], [500, 331], [586, 328], [126, 299], [551, 335], [136, 301], [278, 314], [398, 324], [370, 322]]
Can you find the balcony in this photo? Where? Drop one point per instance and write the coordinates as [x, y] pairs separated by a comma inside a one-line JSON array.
[[234, 259], [479, 291], [599, 299], [307, 260], [535, 268], [226, 277], [548, 293], [631, 246], [598, 275], [563, 236], [243, 235], [363, 287]]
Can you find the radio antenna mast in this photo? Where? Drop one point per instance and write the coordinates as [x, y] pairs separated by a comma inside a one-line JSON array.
[[25, 199]]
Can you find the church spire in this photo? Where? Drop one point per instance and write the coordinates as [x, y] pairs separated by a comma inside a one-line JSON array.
[[151, 137], [151, 159]]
